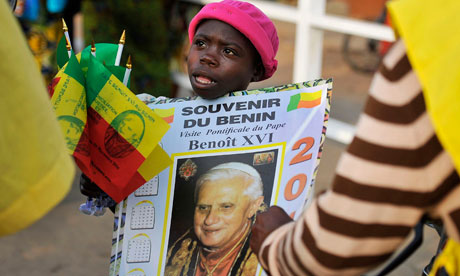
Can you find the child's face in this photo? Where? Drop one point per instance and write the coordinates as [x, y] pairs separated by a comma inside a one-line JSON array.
[[221, 60]]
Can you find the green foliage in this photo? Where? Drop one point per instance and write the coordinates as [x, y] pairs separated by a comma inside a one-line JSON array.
[[148, 39]]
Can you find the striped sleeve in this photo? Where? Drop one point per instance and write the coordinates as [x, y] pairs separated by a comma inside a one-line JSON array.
[[394, 171]]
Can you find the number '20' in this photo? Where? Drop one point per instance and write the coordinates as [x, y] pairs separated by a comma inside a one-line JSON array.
[[301, 156]]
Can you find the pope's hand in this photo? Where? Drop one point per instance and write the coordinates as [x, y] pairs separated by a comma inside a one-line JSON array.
[[265, 224]]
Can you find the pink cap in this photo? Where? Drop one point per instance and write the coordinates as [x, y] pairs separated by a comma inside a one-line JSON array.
[[250, 21]]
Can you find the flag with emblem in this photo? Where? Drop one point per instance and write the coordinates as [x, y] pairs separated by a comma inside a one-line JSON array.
[[124, 135]]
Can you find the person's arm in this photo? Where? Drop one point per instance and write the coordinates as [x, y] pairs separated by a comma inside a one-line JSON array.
[[392, 172], [36, 169]]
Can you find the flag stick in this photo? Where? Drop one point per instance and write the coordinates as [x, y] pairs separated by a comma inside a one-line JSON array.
[[66, 33], [129, 67], [121, 44], [93, 48], [68, 46]]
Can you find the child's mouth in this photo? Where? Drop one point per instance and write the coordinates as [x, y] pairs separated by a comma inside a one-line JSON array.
[[203, 80]]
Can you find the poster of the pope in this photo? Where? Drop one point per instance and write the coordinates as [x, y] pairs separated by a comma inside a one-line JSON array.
[[214, 210], [231, 158]]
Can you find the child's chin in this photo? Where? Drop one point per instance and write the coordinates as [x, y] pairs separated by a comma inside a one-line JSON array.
[[209, 94]]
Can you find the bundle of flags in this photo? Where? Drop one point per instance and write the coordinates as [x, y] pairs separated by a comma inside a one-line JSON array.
[[113, 136]]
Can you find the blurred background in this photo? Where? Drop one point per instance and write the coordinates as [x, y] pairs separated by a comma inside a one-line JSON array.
[[339, 39]]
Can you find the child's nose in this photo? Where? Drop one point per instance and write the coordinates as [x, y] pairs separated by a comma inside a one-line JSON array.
[[209, 59]]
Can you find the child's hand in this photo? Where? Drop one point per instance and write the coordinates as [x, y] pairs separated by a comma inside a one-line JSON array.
[[89, 188], [266, 223], [97, 198]]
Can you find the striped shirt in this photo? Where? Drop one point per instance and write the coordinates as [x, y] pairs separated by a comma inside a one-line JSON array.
[[394, 171]]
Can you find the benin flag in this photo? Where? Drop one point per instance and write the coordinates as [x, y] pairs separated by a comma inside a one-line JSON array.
[[165, 114], [68, 97], [124, 132], [304, 100]]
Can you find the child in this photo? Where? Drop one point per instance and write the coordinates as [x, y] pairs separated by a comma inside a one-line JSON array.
[[233, 43]]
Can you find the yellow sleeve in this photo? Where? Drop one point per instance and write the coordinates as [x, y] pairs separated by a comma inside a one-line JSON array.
[[35, 169], [429, 30]]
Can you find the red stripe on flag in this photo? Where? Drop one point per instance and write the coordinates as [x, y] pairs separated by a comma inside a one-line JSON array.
[[168, 119], [52, 86], [82, 151], [136, 181], [114, 160], [309, 104]]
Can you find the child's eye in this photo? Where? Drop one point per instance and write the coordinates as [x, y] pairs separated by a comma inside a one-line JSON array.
[[200, 43], [229, 51]]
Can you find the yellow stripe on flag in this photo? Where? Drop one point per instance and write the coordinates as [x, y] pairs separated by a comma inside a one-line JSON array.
[[69, 103], [69, 98], [156, 162], [310, 96], [164, 112]]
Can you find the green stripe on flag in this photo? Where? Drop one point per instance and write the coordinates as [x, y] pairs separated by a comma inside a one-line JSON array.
[[73, 69], [96, 77], [61, 53], [105, 52], [293, 102], [119, 72]]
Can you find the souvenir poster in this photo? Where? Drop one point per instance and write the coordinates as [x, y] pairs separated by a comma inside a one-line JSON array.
[[232, 158]]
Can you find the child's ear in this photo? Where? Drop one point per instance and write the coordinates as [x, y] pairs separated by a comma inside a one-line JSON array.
[[258, 72]]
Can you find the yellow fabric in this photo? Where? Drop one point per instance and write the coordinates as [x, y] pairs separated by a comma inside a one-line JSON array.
[[449, 259], [35, 168], [430, 31]]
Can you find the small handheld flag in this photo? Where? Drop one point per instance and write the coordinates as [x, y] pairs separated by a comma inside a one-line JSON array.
[[124, 133]]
